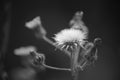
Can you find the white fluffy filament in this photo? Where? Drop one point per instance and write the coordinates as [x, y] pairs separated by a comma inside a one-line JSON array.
[[69, 35]]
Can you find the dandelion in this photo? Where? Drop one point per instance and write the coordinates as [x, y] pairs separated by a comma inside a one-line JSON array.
[[69, 39], [69, 35]]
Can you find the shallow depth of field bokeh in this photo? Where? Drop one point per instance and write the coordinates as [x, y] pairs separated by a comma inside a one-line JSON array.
[[101, 18]]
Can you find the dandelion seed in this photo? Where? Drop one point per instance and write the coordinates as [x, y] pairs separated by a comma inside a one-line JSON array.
[[62, 46], [67, 47]]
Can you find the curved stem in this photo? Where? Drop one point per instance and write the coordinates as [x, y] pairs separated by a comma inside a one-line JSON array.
[[51, 67]]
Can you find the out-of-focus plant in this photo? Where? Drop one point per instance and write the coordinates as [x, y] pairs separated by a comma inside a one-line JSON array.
[[72, 41]]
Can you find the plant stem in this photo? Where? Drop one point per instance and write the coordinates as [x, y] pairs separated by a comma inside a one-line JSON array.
[[74, 63], [51, 67], [74, 59]]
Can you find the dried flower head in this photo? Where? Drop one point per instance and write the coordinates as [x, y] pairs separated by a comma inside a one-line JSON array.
[[37, 27], [77, 23], [69, 39], [22, 51], [33, 23], [69, 35]]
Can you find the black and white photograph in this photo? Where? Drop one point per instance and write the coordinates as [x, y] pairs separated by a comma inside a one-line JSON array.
[[59, 40]]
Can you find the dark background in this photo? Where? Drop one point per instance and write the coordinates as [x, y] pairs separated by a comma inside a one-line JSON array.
[[100, 16]]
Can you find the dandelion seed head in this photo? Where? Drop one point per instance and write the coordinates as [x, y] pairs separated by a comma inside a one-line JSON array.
[[22, 51], [69, 35]]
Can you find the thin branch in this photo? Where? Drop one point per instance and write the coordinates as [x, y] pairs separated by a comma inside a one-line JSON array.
[[51, 67]]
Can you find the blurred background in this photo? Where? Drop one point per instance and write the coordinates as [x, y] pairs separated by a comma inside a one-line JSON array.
[[100, 16]]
